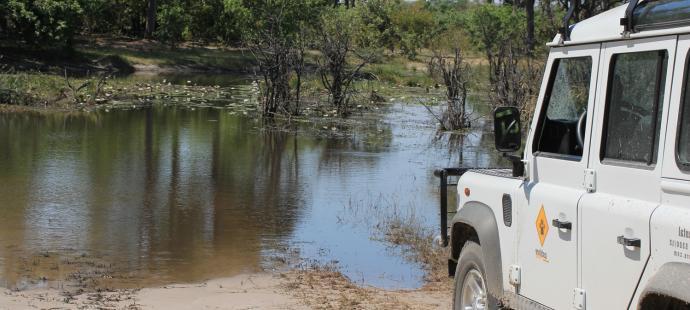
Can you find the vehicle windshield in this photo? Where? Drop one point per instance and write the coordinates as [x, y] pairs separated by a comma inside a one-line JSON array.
[[565, 105]]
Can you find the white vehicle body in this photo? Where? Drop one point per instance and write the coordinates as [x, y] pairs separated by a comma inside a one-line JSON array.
[[591, 226]]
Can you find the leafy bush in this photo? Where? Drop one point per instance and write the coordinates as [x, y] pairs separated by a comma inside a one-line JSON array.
[[233, 21], [274, 31], [500, 32], [40, 22], [118, 17], [415, 26], [491, 27], [376, 16], [171, 23], [205, 19]]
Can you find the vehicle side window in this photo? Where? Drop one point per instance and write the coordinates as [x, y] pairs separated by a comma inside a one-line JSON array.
[[633, 106], [566, 102], [683, 143]]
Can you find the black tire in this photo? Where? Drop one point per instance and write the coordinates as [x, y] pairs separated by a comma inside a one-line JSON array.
[[470, 261], [659, 302]]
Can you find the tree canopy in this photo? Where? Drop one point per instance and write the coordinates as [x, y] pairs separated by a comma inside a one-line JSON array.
[[393, 24]]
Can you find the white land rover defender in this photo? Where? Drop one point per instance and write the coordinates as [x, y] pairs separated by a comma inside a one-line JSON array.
[[596, 213]]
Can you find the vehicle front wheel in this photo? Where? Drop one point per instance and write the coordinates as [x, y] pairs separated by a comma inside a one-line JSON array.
[[470, 280]]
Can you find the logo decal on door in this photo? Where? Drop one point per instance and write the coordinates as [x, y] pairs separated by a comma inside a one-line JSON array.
[[542, 226]]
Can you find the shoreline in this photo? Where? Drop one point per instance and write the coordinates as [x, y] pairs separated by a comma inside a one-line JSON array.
[[319, 288]]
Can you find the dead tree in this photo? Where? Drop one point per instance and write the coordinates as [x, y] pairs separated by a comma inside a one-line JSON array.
[[275, 56], [514, 78], [514, 72], [336, 43], [529, 8], [454, 73], [298, 67]]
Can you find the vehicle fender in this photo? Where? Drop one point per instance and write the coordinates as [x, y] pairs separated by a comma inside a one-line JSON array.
[[478, 218], [670, 281]]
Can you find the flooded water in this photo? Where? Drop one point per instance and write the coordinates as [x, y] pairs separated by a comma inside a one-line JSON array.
[[151, 196]]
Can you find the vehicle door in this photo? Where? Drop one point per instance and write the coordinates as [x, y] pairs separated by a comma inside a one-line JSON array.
[[557, 156], [630, 115]]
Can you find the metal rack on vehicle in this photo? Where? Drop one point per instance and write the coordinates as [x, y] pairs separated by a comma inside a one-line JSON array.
[[655, 14], [627, 21], [565, 31], [443, 175], [639, 16]]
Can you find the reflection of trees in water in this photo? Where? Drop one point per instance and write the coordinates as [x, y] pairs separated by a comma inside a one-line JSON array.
[[259, 172], [337, 151], [184, 194], [164, 189], [22, 139], [473, 149]]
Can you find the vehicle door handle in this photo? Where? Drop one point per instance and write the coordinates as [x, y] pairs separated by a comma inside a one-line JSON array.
[[562, 224], [631, 242]]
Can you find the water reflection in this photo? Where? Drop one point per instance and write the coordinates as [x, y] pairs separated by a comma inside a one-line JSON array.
[[160, 195], [176, 193]]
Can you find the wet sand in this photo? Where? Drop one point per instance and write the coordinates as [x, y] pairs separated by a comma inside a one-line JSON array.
[[313, 289], [262, 291]]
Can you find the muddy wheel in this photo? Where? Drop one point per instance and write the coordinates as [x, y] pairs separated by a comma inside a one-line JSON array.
[[470, 280]]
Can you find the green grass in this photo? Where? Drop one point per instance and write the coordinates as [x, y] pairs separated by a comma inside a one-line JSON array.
[[386, 78], [201, 57], [29, 89], [399, 70]]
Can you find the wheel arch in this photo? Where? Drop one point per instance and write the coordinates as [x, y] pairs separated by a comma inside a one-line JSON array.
[[476, 221], [669, 288]]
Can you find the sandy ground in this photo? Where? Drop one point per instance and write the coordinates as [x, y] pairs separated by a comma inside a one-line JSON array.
[[313, 289], [255, 291]]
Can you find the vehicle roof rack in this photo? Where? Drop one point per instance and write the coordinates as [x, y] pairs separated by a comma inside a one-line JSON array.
[[655, 14], [627, 21], [565, 31]]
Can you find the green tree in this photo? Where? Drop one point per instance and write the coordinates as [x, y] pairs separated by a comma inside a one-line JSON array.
[[41, 22], [232, 22], [172, 23], [492, 27], [500, 33], [415, 25], [206, 20], [377, 18], [273, 33], [115, 17]]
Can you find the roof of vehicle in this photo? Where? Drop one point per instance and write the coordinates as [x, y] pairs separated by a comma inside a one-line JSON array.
[[607, 26]]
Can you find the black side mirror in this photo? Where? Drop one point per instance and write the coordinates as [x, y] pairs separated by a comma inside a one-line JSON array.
[[507, 129]]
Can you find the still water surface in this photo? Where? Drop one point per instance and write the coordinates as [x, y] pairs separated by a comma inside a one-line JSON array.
[[159, 195]]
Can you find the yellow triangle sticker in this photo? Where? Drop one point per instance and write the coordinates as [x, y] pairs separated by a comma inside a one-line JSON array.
[[542, 226]]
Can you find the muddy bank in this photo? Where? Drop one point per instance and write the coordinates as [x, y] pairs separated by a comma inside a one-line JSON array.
[[313, 289], [247, 291], [122, 57], [325, 288]]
